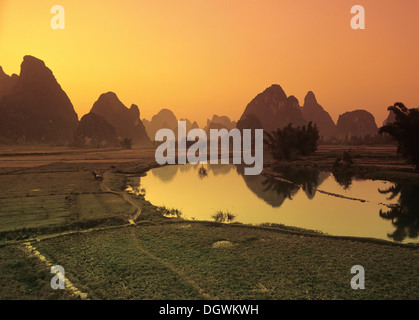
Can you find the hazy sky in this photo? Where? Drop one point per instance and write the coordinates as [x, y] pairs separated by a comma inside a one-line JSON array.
[[200, 57]]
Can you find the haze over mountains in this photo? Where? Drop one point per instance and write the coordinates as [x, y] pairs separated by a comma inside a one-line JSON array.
[[356, 123], [35, 109], [272, 109], [165, 118], [219, 122]]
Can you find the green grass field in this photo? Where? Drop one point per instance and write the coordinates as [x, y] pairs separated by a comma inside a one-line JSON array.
[[25, 277], [179, 261]]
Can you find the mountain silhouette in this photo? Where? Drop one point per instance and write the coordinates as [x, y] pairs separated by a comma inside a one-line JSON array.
[[356, 123], [250, 121], [95, 131], [126, 121], [274, 109], [390, 118], [219, 122], [164, 119], [189, 124], [7, 83], [315, 113], [34, 108]]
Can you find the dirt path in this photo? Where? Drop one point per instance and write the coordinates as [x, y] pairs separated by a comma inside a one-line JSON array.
[[125, 196], [175, 270], [68, 284]]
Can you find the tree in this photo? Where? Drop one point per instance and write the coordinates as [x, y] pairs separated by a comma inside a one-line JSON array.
[[405, 129], [126, 143], [251, 121], [289, 142]]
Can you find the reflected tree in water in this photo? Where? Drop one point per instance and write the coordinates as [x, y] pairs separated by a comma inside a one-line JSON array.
[[309, 179], [284, 189], [219, 169], [405, 215], [166, 173], [202, 172], [343, 178], [341, 170]]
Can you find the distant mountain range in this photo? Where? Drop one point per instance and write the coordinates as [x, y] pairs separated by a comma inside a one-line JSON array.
[[35, 109], [272, 109], [165, 118]]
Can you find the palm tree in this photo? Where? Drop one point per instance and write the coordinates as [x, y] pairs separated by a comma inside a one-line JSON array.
[[406, 131]]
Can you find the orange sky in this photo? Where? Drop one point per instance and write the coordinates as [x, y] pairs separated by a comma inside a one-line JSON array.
[[200, 57]]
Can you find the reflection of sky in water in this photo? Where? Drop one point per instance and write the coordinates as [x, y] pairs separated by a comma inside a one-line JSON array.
[[257, 199]]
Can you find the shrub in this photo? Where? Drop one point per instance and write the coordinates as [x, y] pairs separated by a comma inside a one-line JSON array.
[[221, 216], [289, 142]]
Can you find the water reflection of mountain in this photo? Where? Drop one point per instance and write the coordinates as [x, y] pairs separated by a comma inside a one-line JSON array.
[[166, 173], [309, 179], [272, 191], [187, 167], [405, 216], [343, 178], [219, 169], [275, 192]]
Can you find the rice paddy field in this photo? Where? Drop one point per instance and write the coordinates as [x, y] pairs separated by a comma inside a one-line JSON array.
[[116, 245]]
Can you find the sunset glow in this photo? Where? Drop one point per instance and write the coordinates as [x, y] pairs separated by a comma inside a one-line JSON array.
[[200, 58]]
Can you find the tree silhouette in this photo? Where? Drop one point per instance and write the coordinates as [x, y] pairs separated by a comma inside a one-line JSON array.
[[343, 177], [251, 121], [405, 215], [126, 143], [289, 142], [405, 129]]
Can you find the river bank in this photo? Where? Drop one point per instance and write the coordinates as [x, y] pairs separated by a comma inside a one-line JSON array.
[[70, 219]]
